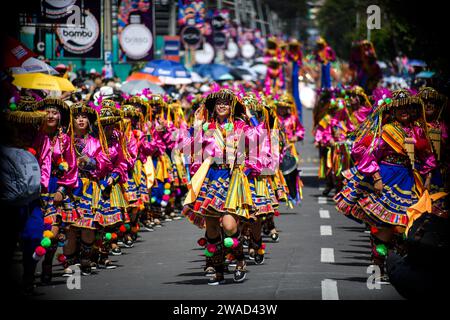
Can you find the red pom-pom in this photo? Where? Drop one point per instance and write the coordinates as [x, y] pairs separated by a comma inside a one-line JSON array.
[[136, 133], [40, 251], [235, 243], [62, 258], [48, 220], [276, 213], [211, 248], [166, 197], [202, 242], [113, 236], [212, 126], [263, 246], [123, 229], [373, 230], [32, 151]]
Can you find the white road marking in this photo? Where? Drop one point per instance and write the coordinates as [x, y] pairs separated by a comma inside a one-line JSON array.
[[324, 214], [325, 231], [322, 200], [327, 255], [329, 290]]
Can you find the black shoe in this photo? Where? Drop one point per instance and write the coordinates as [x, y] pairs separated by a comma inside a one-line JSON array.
[[239, 275], [106, 264], [128, 244], [327, 191], [275, 237], [216, 280], [86, 270], [210, 272], [116, 251], [259, 259]]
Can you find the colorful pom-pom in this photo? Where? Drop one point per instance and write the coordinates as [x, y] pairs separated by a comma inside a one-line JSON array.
[[261, 251], [62, 258], [263, 246], [48, 234], [165, 197], [208, 254], [108, 236], [235, 242], [164, 203], [40, 251], [205, 127], [211, 248], [202, 242], [388, 100], [373, 230], [127, 226], [48, 220], [122, 229], [166, 185], [228, 242], [63, 166], [114, 236], [153, 200], [13, 107], [46, 242], [32, 151], [382, 249], [167, 192], [276, 213]]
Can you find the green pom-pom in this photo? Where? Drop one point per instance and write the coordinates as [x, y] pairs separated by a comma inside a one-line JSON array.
[[382, 250], [153, 200], [333, 102], [208, 254], [205, 127], [46, 242], [380, 102], [346, 97], [108, 236], [127, 226], [167, 191], [342, 91], [228, 242], [388, 100], [228, 127], [13, 107]]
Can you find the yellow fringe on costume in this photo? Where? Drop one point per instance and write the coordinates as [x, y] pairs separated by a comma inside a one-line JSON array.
[[239, 196], [395, 137], [149, 172], [117, 197], [196, 182], [162, 167]]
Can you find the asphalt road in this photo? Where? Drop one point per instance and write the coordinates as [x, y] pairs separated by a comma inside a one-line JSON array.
[[321, 255]]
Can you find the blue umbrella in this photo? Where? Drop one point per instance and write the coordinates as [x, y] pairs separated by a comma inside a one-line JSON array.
[[417, 63], [166, 68], [214, 71]]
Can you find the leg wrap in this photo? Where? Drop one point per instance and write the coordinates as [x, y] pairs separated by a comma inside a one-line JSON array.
[[237, 250], [217, 259]]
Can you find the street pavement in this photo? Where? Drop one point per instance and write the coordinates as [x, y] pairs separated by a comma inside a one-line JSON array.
[[321, 255]]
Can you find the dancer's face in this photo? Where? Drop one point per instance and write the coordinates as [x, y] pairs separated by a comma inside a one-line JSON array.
[[401, 115], [430, 110], [223, 108], [53, 118], [81, 123]]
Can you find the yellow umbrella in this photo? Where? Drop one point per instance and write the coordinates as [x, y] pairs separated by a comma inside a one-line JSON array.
[[42, 81]]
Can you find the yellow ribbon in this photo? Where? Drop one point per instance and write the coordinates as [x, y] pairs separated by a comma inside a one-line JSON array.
[[149, 172], [422, 206]]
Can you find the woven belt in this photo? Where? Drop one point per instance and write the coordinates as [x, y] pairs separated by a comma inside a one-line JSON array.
[[397, 159]]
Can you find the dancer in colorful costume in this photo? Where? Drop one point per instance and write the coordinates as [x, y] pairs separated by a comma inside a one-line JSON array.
[[219, 192], [385, 181], [59, 176]]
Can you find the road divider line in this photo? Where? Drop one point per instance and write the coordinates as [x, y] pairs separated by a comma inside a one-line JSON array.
[[322, 200], [324, 214], [327, 255], [329, 290], [326, 231]]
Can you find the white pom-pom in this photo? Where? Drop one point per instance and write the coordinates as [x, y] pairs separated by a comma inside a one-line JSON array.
[[163, 203]]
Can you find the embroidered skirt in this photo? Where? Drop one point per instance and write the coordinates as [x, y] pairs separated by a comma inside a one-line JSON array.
[[64, 213], [87, 196]]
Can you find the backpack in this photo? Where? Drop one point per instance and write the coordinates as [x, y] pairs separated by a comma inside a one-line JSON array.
[[20, 176]]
